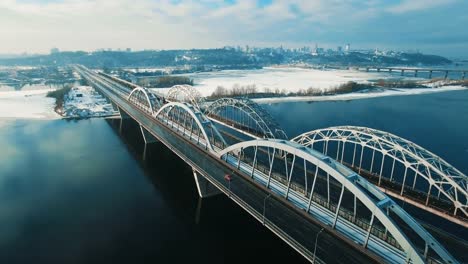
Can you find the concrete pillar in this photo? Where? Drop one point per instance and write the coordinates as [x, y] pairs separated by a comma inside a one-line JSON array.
[[204, 187], [122, 113], [121, 125], [147, 136], [430, 74]]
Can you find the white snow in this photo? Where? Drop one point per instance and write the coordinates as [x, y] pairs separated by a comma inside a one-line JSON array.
[[284, 79], [29, 104], [290, 79], [84, 101], [360, 95]]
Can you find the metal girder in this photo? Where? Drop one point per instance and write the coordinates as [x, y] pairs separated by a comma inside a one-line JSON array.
[[185, 93], [140, 90], [375, 200], [153, 101], [269, 127], [438, 173], [203, 123]]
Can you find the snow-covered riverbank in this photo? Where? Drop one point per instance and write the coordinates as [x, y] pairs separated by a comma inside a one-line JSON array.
[[291, 80], [84, 102], [283, 80], [81, 102], [360, 95]]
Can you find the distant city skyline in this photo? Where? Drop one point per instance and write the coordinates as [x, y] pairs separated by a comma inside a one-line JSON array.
[[37, 26]]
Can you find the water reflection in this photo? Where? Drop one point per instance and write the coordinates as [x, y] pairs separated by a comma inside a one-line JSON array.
[[74, 192]]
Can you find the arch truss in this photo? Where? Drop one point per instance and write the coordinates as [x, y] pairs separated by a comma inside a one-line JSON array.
[[336, 196], [396, 163], [191, 123], [145, 99], [185, 93], [246, 115]]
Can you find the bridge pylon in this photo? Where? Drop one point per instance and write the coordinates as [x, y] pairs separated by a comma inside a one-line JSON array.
[[205, 188], [148, 138]]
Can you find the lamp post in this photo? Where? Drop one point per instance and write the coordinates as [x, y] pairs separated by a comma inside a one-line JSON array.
[[316, 240], [264, 206]]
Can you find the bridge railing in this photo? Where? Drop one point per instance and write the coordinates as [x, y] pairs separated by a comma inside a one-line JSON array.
[[318, 199]]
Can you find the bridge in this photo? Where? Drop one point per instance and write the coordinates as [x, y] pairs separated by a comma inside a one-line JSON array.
[[415, 71], [294, 190]]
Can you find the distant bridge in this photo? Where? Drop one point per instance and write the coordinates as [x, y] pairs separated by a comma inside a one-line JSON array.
[[292, 189], [416, 71]]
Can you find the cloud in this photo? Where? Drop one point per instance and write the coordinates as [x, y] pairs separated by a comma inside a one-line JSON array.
[[35, 25], [418, 5]]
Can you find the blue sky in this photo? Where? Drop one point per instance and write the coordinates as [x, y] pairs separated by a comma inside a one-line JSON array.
[[436, 26]]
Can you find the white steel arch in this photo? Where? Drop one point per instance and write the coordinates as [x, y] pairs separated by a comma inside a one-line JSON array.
[[145, 93], [269, 127], [438, 173], [374, 199], [185, 93], [202, 122]]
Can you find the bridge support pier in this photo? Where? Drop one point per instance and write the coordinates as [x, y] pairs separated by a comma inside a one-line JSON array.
[[204, 187], [148, 138], [122, 113]]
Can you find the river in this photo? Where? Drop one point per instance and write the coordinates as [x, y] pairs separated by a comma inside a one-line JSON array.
[[80, 191]]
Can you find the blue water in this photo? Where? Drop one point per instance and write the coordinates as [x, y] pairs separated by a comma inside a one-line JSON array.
[[80, 192], [437, 122]]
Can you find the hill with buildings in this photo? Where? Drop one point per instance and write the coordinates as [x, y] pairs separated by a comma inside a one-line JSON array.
[[226, 58]]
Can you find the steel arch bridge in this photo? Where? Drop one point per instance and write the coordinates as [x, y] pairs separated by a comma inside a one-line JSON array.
[[185, 93], [145, 99], [298, 161], [245, 114], [429, 173], [192, 123], [303, 178]]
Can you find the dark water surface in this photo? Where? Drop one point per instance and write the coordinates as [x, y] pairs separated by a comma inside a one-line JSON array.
[[437, 122], [79, 191]]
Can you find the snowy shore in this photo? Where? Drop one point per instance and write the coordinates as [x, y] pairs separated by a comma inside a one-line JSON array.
[[81, 102], [291, 80], [85, 102], [359, 95]]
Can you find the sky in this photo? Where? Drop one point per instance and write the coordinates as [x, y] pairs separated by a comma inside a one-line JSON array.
[[36, 26]]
